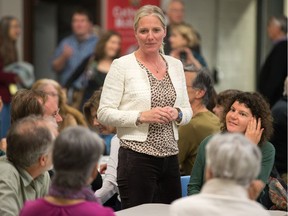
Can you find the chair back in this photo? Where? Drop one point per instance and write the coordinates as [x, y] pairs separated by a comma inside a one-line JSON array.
[[184, 183]]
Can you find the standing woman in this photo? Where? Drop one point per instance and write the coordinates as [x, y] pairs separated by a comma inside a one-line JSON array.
[[9, 33], [144, 96], [97, 66]]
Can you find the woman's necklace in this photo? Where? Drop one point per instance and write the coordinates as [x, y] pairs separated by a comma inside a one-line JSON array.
[[156, 67]]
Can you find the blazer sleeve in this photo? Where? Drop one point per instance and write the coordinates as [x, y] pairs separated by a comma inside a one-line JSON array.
[[111, 98]]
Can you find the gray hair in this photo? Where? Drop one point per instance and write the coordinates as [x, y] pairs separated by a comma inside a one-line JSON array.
[[281, 21], [75, 154], [147, 10], [28, 139], [202, 81], [232, 156]]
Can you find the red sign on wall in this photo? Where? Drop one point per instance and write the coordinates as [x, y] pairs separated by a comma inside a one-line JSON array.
[[119, 16]]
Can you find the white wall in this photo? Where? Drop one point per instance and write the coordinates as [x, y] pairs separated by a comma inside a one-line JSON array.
[[45, 39], [14, 8], [237, 44], [228, 37]]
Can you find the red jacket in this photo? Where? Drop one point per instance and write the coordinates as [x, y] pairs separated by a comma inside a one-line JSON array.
[[5, 80]]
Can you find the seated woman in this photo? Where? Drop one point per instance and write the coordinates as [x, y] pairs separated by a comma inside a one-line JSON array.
[[249, 114], [70, 115], [70, 193], [184, 43], [108, 194], [90, 112]]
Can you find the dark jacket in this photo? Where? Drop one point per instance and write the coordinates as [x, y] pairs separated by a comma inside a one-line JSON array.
[[273, 73]]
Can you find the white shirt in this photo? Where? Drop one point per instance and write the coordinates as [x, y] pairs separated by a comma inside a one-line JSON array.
[[218, 197], [109, 186]]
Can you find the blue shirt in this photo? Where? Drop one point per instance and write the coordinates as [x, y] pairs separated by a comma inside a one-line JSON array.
[[107, 139], [80, 51]]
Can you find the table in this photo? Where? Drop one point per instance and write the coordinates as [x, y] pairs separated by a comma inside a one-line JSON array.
[[155, 209], [151, 209]]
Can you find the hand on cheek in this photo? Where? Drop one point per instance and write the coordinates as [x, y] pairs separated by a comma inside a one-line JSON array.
[[254, 130]]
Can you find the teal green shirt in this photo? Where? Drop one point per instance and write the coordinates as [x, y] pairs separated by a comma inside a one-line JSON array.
[[197, 175], [17, 186]]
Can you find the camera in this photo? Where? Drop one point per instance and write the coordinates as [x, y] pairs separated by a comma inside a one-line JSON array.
[[183, 56]]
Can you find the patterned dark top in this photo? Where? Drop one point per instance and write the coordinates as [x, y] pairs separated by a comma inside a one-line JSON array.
[[160, 140]]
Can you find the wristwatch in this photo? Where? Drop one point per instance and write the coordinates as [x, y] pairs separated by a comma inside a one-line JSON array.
[[180, 115]]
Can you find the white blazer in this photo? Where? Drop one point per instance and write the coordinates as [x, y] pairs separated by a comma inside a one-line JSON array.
[[127, 91]]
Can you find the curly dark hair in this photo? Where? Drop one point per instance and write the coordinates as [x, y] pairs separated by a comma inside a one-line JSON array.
[[259, 109]]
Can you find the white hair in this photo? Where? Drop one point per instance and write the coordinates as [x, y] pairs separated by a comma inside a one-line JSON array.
[[232, 156]]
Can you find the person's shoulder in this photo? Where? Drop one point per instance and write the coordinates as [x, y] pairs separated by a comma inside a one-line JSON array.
[[7, 169], [281, 47], [256, 208], [35, 207], [206, 140], [267, 147], [125, 60], [126, 57], [9, 174], [68, 38], [280, 106], [186, 205]]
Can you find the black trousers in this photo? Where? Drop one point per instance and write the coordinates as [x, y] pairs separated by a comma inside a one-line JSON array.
[[143, 178]]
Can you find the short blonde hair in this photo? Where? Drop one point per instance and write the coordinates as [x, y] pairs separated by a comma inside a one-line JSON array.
[[188, 33]]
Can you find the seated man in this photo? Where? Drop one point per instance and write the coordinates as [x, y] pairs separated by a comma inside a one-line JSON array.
[[203, 123], [233, 163], [30, 102], [24, 173]]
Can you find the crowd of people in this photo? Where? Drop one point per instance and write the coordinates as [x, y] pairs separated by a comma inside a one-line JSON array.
[[156, 115]]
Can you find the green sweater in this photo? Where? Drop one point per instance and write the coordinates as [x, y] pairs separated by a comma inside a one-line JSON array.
[[197, 175]]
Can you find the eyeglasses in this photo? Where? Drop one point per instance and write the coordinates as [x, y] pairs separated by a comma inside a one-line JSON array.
[[56, 113], [52, 94]]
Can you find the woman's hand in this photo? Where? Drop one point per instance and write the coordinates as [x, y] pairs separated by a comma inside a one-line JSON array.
[[103, 168], [255, 189], [173, 112], [159, 115], [254, 130], [191, 59], [3, 144]]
